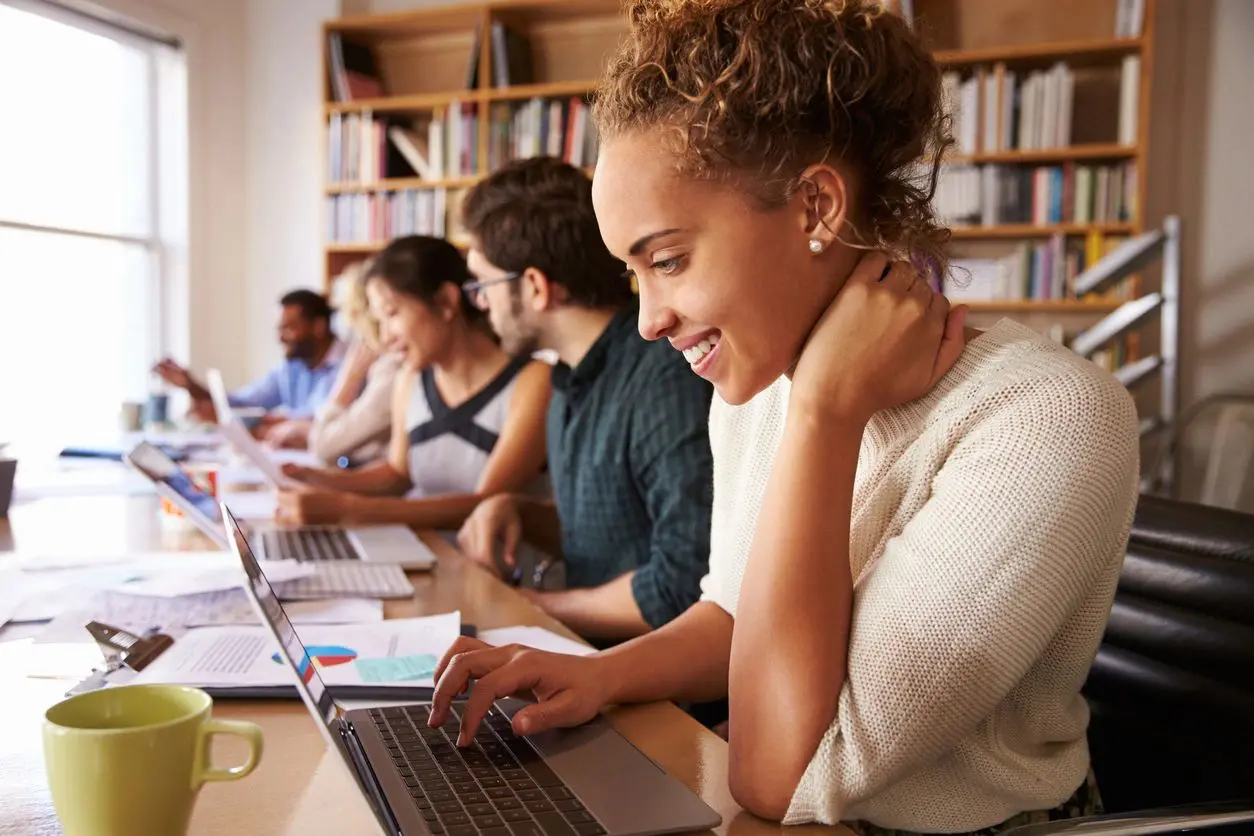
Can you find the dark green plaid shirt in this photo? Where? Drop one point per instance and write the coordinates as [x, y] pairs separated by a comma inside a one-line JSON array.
[[629, 457]]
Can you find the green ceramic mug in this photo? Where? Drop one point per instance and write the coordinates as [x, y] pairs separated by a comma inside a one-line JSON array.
[[132, 759]]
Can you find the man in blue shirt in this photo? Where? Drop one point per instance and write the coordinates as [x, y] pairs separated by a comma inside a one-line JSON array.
[[294, 389]]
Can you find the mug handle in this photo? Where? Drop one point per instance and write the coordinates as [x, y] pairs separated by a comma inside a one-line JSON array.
[[206, 771]]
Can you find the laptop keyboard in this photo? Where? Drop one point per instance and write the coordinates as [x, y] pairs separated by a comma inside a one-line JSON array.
[[497, 786], [308, 544], [348, 580]]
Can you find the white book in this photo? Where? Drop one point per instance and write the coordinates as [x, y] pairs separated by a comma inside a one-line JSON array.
[[1129, 89], [1136, 18], [452, 140], [990, 111], [333, 147], [435, 147], [441, 210], [1049, 109], [989, 205], [1066, 105], [1121, 19], [970, 140]]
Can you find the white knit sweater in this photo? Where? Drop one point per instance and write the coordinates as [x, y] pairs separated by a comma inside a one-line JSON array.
[[989, 524]]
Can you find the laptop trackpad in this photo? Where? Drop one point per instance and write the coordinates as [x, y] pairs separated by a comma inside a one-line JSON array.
[[610, 776]]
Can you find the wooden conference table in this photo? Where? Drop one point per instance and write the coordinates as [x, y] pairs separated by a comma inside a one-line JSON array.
[[300, 787]]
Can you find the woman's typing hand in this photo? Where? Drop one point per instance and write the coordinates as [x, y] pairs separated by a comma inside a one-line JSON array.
[[569, 690]]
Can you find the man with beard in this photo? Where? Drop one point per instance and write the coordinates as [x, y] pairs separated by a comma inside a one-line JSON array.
[[628, 446], [293, 390]]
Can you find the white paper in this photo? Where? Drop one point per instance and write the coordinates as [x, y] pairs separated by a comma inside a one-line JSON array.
[[248, 656], [174, 584], [38, 591], [251, 505], [140, 613], [535, 637], [249, 447]]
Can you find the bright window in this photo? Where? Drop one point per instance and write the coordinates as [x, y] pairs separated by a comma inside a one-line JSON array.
[[92, 204]]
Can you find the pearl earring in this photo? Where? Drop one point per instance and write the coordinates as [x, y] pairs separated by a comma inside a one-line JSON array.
[[816, 246]]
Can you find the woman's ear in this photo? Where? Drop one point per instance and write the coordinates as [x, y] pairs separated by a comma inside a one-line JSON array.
[[824, 198], [448, 301]]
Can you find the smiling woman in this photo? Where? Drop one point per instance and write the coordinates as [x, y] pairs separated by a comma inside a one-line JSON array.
[[900, 620]]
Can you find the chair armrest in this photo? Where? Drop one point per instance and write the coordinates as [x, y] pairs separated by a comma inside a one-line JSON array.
[[1162, 820]]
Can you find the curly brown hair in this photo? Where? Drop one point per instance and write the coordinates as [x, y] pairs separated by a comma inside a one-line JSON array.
[[757, 90]]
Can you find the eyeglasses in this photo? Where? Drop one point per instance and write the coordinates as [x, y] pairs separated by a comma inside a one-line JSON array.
[[474, 290]]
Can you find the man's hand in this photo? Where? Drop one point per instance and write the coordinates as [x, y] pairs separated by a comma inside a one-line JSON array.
[[494, 520], [174, 374], [569, 690]]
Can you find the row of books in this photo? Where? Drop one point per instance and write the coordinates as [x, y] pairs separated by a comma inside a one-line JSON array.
[[989, 195], [994, 109], [1040, 272], [365, 149], [382, 216], [542, 127]]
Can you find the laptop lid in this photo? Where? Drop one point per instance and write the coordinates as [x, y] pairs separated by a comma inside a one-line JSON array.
[[309, 683], [173, 483], [218, 394]]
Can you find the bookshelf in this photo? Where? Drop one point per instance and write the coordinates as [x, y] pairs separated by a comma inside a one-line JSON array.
[[438, 65]]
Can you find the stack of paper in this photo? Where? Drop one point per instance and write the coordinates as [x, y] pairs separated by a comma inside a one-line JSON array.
[[536, 637], [402, 652]]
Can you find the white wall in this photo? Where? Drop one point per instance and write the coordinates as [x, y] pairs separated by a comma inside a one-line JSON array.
[[284, 155], [1201, 169]]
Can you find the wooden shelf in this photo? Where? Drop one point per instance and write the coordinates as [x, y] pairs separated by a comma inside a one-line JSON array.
[[1032, 231], [556, 90], [1050, 155], [373, 247], [405, 104], [1076, 53], [398, 183], [1042, 306], [351, 249]]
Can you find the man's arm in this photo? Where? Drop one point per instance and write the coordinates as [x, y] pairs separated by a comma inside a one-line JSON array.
[[264, 392], [608, 611], [670, 456]]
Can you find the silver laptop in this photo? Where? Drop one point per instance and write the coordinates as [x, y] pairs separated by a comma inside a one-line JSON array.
[[384, 544], [588, 781]]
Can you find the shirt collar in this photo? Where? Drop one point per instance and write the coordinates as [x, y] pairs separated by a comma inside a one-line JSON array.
[[593, 363], [333, 357]]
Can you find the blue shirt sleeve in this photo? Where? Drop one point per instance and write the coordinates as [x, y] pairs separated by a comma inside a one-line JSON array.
[[670, 449], [319, 391], [265, 392]]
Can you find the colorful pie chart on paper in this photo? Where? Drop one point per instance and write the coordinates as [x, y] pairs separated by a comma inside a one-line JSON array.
[[324, 656]]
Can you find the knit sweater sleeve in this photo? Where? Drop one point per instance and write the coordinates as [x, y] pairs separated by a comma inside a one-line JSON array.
[[1031, 506]]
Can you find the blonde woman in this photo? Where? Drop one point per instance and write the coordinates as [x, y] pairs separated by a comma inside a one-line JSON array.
[[355, 422]]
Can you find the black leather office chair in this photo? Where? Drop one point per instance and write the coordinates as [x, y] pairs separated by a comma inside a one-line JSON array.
[[1172, 688]]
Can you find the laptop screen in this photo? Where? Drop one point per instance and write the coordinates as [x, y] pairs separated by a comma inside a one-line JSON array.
[[311, 685], [159, 467]]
